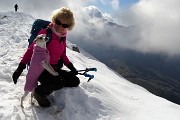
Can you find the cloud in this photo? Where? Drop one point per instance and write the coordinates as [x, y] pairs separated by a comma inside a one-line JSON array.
[[36, 8], [115, 4], [157, 22], [95, 27], [93, 12], [156, 28]]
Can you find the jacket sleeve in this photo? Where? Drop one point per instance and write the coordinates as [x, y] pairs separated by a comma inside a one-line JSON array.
[[27, 56], [64, 57]]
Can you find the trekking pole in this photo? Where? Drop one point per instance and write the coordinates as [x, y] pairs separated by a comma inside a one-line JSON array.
[[88, 69], [85, 73]]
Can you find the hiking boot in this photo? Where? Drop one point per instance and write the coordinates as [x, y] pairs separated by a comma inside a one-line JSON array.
[[42, 100]]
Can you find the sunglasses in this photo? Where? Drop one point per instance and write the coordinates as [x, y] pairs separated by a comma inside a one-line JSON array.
[[59, 23]]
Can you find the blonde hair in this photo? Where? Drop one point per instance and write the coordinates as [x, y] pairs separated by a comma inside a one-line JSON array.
[[65, 14]]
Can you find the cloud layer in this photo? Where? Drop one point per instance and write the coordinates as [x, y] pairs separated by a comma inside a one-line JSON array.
[[156, 22], [155, 28]]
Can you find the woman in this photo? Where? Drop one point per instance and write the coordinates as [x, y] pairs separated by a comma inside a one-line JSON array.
[[62, 22]]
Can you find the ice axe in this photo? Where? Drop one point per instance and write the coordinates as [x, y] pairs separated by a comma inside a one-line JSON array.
[[84, 72]]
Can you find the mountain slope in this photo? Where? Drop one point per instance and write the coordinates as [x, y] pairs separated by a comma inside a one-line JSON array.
[[156, 73], [107, 97]]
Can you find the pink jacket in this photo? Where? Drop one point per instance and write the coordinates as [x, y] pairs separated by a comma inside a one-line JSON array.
[[35, 68], [56, 48]]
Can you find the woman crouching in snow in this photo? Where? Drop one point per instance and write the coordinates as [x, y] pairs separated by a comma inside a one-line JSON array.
[[62, 22]]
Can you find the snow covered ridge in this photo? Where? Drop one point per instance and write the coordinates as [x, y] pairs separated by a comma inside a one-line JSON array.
[[106, 97]]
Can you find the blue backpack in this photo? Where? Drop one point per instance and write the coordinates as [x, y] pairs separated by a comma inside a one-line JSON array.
[[38, 25]]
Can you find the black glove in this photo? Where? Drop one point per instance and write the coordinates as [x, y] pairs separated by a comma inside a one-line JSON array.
[[57, 67], [73, 69], [18, 72]]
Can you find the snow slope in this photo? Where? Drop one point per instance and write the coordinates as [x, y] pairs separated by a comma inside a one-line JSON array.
[[107, 97]]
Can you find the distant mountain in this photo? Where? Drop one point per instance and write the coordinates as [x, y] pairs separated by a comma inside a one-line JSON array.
[[111, 44]]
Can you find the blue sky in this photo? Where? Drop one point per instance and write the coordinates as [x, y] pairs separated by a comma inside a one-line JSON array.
[[127, 3], [106, 5]]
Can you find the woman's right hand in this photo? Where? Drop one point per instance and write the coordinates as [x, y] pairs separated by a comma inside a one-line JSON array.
[[18, 72]]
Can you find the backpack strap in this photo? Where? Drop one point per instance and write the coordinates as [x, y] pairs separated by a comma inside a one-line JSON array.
[[48, 34]]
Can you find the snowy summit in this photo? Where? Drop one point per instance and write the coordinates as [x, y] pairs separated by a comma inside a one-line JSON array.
[[106, 97]]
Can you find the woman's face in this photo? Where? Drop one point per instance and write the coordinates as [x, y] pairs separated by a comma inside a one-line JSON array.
[[61, 25]]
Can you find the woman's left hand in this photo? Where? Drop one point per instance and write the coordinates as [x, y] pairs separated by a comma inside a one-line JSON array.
[[72, 68]]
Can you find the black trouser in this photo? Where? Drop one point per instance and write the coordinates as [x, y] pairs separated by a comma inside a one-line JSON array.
[[51, 83]]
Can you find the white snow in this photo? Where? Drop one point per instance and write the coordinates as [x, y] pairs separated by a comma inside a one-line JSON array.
[[106, 97]]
